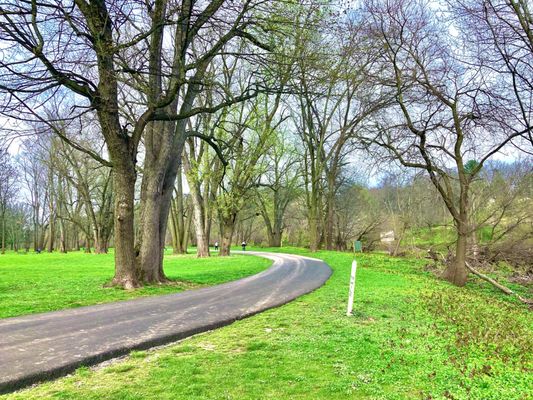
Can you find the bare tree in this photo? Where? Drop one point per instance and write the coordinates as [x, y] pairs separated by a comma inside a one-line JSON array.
[[8, 187], [278, 187], [180, 218], [358, 216], [201, 168], [499, 37], [334, 99], [71, 50], [249, 136], [197, 44], [438, 122], [93, 187], [93, 56], [34, 171]]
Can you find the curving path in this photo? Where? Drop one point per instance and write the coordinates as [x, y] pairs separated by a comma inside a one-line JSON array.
[[44, 346]]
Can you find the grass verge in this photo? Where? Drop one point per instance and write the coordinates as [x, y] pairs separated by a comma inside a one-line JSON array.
[[412, 337], [32, 283]]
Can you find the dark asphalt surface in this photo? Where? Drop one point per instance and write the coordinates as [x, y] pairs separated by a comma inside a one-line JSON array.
[[44, 346]]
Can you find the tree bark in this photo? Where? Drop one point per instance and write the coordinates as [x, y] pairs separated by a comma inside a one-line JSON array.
[[122, 146], [3, 231], [227, 227], [124, 184], [504, 289], [162, 165], [330, 214], [62, 237], [274, 238], [174, 229], [36, 241], [87, 244], [456, 272], [330, 207], [199, 212], [100, 242], [202, 242], [51, 235], [314, 203], [313, 229], [181, 225], [76, 239], [274, 228]]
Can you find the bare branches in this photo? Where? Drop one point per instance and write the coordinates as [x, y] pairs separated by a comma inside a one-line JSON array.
[[213, 142]]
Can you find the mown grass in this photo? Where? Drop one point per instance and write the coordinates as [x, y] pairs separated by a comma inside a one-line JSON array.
[[412, 337], [33, 283]]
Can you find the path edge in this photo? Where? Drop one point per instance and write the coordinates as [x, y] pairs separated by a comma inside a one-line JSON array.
[[58, 372]]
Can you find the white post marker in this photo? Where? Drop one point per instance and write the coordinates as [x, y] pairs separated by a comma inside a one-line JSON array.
[[352, 288]]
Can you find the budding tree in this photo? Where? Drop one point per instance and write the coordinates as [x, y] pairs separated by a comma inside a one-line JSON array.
[[442, 117]]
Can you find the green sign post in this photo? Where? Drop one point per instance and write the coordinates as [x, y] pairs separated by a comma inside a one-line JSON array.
[[357, 246]]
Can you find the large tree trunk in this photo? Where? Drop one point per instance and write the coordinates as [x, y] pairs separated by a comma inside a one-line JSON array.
[[227, 227], [202, 243], [51, 234], [274, 238], [209, 199], [202, 196], [174, 229], [279, 215], [87, 244], [42, 239], [76, 239], [122, 146], [62, 237], [457, 272], [314, 211], [162, 163], [100, 238], [124, 185], [314, 239], [178, 225], [330, 214], [100, 241], [151, 245], [199, 220], [329, 227], [164, 143], [274, 229]]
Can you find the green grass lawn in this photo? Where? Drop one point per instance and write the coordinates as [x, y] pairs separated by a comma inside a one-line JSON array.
[[412, 337], [33, 283]]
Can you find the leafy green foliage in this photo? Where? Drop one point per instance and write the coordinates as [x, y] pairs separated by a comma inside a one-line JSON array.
[[470, 166]]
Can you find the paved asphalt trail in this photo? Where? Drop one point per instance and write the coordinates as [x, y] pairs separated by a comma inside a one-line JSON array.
[[43, 346]]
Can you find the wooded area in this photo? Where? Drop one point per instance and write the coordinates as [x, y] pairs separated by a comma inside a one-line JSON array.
[[140, 124]]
